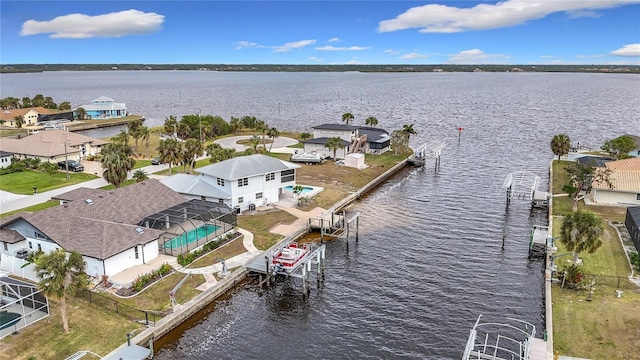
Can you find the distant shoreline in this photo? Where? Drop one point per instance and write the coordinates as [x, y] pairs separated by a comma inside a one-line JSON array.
[[382, 68]]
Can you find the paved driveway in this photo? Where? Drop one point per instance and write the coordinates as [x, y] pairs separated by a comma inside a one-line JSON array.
[[279, 145]]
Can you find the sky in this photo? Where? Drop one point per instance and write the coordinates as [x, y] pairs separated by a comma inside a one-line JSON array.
[[527, 32]]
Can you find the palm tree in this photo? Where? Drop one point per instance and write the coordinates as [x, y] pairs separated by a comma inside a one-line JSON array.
[[560, 145], [116, 162], [255, 141], [581, 231], [262, 127], [140, 175], [145, 133], [170, 125], [61, 275], [121, 138], [65, 105], [305, 136], [192, 149], [273, 134], [346, 117], [371, 121], [334, 143], [235, 124], [19, 121], [408, 130], [170, 151]]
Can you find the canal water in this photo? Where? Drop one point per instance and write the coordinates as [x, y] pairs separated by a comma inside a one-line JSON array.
[[430, 258]]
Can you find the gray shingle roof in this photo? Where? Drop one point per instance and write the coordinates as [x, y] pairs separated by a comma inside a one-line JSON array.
[[10, 236], [48, 143], [335, 127], [194, 185], [323, 140], [79, 193], [374, 135], [246, 166]]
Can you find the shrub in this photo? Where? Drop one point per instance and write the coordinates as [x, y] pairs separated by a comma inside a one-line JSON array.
[[635, 260], [572, 276], [142, 280]]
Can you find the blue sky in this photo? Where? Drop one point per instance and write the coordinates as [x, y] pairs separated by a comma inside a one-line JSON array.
[[321, 32]]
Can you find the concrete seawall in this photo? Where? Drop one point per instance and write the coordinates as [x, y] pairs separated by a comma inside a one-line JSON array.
[[548, 304]]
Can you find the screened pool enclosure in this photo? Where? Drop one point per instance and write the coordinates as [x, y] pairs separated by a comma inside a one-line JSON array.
[[190, 225], [21, 304]]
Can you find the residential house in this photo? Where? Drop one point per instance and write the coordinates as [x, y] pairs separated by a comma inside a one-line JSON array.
[[632, 223], [363, 139], [625, 178], [635, 152], [28, 116], [53, 146], [241, 183], [5, 159], [105, 108], [115, 229]]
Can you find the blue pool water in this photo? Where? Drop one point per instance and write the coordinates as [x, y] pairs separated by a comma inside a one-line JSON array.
[[191, 236], [305, 189]]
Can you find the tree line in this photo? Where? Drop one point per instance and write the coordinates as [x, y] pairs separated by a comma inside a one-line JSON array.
[[11, 103]]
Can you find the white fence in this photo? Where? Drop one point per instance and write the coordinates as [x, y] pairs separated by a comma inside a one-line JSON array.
[[14, 266]]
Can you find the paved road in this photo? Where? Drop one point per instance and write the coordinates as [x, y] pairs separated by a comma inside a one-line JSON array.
[[279, 144]]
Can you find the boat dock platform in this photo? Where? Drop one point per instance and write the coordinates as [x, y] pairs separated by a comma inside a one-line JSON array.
[[538, 242]]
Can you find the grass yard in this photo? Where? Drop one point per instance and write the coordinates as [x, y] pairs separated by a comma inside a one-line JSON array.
[[24, 182], [34, 208], [606, 327], [92, 329], [225, 252], [261, 222]]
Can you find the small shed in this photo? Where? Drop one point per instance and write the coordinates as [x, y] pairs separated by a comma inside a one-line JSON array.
[[632, 222], [355, 160]]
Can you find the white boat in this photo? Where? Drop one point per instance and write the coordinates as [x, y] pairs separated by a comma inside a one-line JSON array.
[[307, 158], [290, 256]]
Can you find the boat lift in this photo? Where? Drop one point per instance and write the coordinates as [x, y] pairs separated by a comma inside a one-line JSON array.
[[523, 185], [428, 150]]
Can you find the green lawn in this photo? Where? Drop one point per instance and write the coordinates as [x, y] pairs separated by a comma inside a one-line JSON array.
[[24, 182]]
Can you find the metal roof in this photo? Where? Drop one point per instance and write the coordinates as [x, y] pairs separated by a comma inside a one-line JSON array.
[[323, 140], [194, 185], [246, 166], [335, 127]]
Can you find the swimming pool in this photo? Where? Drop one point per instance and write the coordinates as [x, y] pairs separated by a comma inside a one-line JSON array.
[[305, 189], [191, 236], [8, 319]]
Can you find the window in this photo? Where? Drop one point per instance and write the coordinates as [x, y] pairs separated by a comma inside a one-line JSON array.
[[30, 245], [6, 247], [258, 195], [39, 248], [221, 201], [243, 182], [135, 252], [638, 197], [240, 199], [40, 236], [287, 175], [220, 181], [270, 177]]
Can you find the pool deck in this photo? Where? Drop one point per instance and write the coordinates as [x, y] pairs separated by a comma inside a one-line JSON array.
[[126, 277]]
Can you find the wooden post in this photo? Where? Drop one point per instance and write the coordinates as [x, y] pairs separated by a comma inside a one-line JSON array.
[[357, 225]]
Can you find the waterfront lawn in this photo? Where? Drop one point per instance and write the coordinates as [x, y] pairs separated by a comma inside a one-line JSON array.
[[23, 182], [261, 222], [156, 296], [92, 329], [560, 176], [33, 208], [225, 252]]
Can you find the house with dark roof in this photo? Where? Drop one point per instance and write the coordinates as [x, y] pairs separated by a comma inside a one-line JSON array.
[[112, 229], [632, 223], [361, 139], [241, 182]]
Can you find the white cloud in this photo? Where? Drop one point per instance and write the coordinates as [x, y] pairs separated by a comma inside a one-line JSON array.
[[80, 26], [392, 52], [335, 39], [293, 45], [631, 50], [342, 48], [435, 18], [316, 59], [413, 55], [476, 56], [244, 44]]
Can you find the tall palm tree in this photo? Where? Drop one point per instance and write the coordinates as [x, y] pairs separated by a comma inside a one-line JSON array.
[[273, 134], [255, 141], [560, 145], [235, 124], [145, 133], [371, 121], [346, 117], [61, 276], [334, 143], [192, 149], [170, 151], [305, 136], [117, 162], [408, 130], [19, 121], [581, 231], [122, 137], [81, 113], [170, 125], [262, 128]]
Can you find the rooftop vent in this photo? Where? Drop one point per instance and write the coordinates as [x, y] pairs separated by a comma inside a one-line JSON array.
[[139, 230], [89, 201]]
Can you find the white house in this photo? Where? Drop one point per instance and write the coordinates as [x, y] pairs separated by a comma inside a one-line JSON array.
[[625, 178], [5, 159], [112, 229], [238, 182], [363, 139]]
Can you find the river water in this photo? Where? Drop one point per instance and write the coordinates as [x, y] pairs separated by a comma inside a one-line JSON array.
[[429, 258]]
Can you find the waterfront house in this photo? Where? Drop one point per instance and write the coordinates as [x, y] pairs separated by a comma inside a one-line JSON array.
[[115, 230], [5, 159], [363, 139], [53, 146], [242, 183], [28, 116], [105, 108], [632, 223], [636, 151], [625, 178]]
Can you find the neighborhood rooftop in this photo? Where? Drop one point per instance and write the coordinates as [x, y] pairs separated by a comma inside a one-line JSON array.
[[246, 166], [48, 143]]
